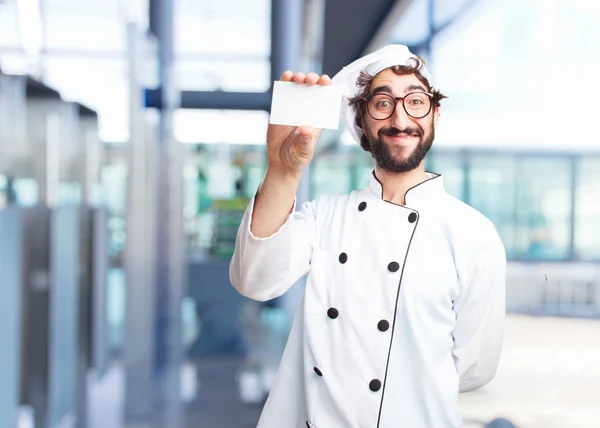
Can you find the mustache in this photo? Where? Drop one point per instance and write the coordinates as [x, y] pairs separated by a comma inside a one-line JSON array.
[[393, 132]]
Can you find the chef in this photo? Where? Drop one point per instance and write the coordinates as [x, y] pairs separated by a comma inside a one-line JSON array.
[[404, 303]]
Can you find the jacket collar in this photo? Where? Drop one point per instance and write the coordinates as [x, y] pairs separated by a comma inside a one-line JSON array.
[[426, 192]]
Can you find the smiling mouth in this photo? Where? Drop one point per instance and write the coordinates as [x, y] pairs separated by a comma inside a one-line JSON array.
[[401, 137]]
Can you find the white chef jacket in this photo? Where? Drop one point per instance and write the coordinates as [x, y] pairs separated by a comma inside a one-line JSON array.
[[403, 307]]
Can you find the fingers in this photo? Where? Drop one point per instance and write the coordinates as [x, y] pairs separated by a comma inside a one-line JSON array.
[[311, 78], [286, 76], [298, 77], [324, 80]]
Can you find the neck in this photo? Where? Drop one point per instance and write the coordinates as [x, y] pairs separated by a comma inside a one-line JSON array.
[[395, 185]]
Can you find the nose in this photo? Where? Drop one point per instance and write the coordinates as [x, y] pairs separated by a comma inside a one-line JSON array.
[[400, 119]]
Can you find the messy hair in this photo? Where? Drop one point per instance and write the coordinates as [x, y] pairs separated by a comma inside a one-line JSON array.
[[414, 66]]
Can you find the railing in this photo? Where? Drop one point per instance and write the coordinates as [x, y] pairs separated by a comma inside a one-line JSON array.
[[559, 289]]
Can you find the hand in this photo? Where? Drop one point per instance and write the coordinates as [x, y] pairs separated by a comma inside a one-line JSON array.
[[290, 148]]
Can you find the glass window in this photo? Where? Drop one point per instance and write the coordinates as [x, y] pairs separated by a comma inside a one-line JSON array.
[[223, 45], [543, 208], [491, 191], [3, 191], [331, 174], [587, 210], [529, 201], [225, 74], [26, 192], [254, 176]]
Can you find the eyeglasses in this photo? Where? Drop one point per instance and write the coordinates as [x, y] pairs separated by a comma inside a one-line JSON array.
[[382, 106]]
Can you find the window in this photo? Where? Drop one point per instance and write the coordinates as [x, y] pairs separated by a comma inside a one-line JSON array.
[[587, 210], [491, 190], [543, 208]]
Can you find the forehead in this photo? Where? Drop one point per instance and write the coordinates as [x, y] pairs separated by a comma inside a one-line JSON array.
[[397, 83]]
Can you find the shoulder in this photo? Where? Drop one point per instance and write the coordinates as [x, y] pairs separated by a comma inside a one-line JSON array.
[[472, 230], [466, 217]]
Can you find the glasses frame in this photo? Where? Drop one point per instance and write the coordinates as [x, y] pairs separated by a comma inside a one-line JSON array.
[[396, 99]]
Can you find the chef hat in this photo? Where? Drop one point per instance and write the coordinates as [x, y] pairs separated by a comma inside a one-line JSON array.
[[373, 63]]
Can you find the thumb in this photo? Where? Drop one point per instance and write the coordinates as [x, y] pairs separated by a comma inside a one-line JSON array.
[[305, 132]]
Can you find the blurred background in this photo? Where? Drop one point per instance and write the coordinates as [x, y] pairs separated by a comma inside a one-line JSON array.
[[132, 135]]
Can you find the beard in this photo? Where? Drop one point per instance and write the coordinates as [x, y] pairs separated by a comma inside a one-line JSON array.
[[384, 154]]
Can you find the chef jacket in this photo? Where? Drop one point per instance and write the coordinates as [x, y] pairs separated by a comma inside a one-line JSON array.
[[403, 307]]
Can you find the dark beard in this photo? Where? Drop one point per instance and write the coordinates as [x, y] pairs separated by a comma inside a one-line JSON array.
[[385, 159]]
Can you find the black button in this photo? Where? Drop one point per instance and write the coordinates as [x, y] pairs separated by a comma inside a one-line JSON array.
[[332, 313], [412, 217], [383, 325], [393, 267], [362, 206], [317, 371], [375, 385], [343, 258]]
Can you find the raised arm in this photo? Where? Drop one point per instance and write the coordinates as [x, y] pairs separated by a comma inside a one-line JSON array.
[[274, 244]]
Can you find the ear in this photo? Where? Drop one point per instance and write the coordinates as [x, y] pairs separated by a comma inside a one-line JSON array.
[[436, 116]]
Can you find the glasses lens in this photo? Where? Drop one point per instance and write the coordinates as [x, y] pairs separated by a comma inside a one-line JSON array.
[[417, 104], [381, 106]]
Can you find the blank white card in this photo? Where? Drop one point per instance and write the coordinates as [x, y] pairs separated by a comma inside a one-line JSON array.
[[300, 104]]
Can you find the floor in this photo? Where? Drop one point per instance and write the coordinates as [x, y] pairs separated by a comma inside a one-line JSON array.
[[549, 377], [217, 403]]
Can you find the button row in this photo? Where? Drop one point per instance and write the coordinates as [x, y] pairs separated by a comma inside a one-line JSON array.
[[412, 217], [374, 385], [382, 325], [392, 267]]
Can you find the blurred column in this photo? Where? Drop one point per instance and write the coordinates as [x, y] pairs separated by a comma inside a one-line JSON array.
[[11, 272], [170, 258], [139, 319]]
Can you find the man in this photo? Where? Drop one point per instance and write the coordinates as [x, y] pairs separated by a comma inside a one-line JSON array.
[[404, 302]]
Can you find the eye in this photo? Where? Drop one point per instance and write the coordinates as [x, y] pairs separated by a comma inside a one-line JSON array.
[[383, 104]]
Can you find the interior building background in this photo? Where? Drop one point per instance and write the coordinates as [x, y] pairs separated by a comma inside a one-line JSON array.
[[132, 135]]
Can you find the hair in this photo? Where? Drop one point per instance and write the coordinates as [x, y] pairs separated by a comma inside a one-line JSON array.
[[414, 66]]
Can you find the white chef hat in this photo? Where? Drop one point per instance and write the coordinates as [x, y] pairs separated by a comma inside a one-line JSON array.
[[373, 63]]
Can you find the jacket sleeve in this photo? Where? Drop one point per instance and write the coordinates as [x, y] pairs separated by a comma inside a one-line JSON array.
[[480, 313], [264, 268]]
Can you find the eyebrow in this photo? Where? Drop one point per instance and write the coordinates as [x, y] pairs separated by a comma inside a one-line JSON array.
[[387, 89], [415, 88], [383, 88]]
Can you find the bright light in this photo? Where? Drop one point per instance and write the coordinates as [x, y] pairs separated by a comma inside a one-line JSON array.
[[30, 26], [221, 126]]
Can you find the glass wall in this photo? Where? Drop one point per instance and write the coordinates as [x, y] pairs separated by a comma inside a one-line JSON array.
[[543, 194], [587, 209], [219, 181]]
